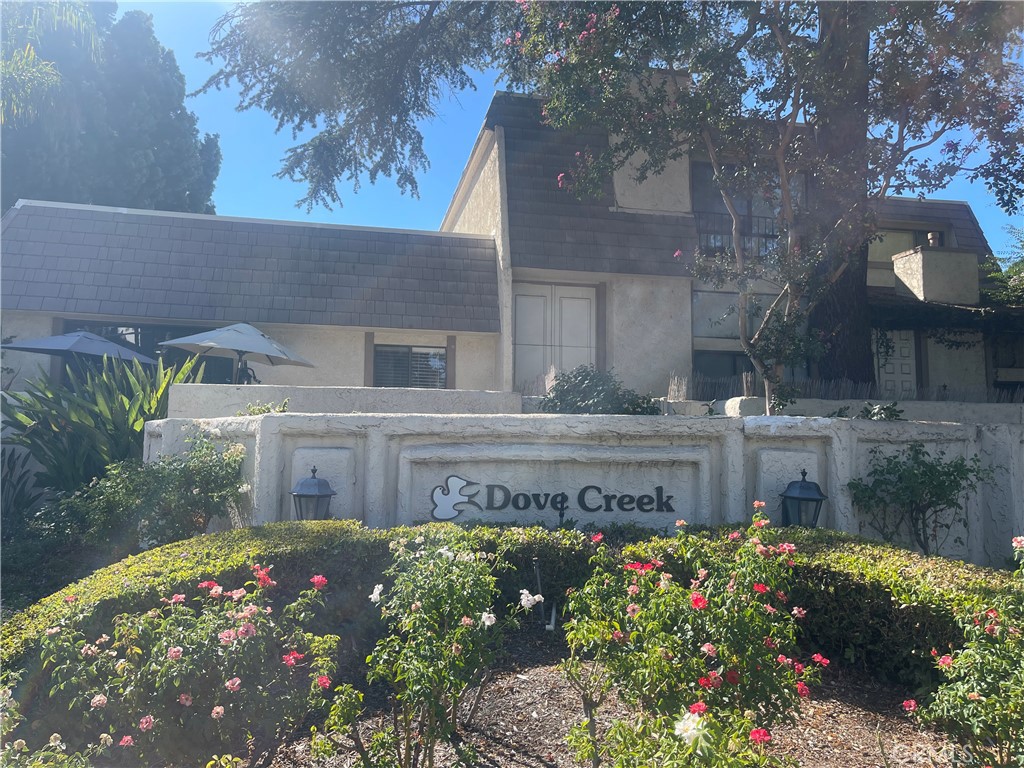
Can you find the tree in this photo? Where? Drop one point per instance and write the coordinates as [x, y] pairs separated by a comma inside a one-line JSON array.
[[810, 111], [119, 134], [29, 80], [1007, 272]]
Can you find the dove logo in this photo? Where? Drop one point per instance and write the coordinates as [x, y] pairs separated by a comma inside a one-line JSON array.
[[450, 499]]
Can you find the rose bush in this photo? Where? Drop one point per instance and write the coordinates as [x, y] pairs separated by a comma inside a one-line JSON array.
[[714, 658], [437, 656], [199, 674], [981, 699]]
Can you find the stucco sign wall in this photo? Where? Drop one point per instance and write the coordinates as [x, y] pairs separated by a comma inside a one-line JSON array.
[[519, 483], [651, 470]]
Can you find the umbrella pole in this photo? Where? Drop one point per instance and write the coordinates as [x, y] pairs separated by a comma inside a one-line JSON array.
[[238, 367]]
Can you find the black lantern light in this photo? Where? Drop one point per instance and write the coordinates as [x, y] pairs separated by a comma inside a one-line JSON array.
[[801, 502], [312, 498]]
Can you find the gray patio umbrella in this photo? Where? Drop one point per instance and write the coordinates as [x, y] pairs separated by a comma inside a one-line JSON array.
[[241, 342], [79, 343]]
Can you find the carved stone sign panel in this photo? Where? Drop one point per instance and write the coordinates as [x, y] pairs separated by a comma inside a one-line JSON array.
[[549, 484]]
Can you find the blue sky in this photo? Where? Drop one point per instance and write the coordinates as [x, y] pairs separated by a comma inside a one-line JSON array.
[[253, 151]]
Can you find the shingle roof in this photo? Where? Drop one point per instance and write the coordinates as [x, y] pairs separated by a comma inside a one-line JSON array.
[[967, 233], [76, 259], [550, 229]]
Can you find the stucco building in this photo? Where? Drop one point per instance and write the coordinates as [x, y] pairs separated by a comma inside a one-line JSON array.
[[520, 277]]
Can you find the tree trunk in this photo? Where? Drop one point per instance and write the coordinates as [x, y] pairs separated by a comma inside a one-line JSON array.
[[841, 136]]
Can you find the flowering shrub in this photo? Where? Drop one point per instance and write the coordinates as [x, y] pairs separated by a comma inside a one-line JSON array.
[[442, 640], [200, 673], [52, 752], [708, 657], [981, 701]]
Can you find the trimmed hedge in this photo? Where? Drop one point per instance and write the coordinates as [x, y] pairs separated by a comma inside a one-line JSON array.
[[344, 551], [868, 603]]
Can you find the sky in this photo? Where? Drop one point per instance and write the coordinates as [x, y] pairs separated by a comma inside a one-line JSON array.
[[252, 150]]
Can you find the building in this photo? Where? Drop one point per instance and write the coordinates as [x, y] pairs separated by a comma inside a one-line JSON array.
[[521, 277]]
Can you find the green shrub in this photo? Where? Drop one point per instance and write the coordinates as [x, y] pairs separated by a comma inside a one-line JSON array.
[[259, 408], [444, 633], [710, 660], [587, 390], [981, 699], [344, 551], [138, 505], [209, 670], [133, 506], [76, 429], [20, 497], [869, 604], [916, 497]]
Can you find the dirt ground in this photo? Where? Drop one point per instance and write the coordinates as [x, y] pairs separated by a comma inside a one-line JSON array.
[[849, 721]]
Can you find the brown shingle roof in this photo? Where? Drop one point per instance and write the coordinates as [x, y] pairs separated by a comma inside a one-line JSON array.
[[550, 229], [77, 259]]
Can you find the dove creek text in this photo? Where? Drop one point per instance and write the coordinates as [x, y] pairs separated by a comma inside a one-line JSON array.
[[591, 498]]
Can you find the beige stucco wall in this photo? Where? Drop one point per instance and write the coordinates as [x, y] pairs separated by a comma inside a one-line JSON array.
[[211, 401], [959, 370], [476, 210], [336, 352], [666, 192], [938, 274], [26, 365], [913, 410], [480, 207], [649, 331], [400, 469]]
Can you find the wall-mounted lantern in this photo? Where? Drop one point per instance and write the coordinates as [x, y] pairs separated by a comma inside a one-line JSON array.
[[312, 498], [801, 502]]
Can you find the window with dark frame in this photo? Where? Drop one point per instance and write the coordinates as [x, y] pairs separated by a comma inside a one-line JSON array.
[[758, 216], [408, 366]]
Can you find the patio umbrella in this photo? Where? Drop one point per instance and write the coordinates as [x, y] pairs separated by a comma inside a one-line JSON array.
[[79, 343], [241, 342]]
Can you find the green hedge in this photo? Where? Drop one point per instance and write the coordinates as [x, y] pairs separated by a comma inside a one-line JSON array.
[[351, 556], [868, 603]]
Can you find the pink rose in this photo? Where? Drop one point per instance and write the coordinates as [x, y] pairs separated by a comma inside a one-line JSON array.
[[233, 685], [324, 681], [126, 741], [217, 713], [98, 701], [318, 582], [174, 653], [247, 630], [146, 723], [185, 700]]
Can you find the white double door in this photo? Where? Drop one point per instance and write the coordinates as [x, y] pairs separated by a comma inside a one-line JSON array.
[[554, 326]]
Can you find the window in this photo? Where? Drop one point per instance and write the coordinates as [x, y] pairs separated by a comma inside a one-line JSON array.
[[417, 367], [720, 365], [758, 214], [146, 339]]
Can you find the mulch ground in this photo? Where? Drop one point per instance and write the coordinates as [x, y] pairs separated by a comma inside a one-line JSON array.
[[849, 721]]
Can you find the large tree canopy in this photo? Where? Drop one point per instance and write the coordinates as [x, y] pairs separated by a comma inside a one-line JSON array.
[[28, 79], [113, 129], [809, 109]]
